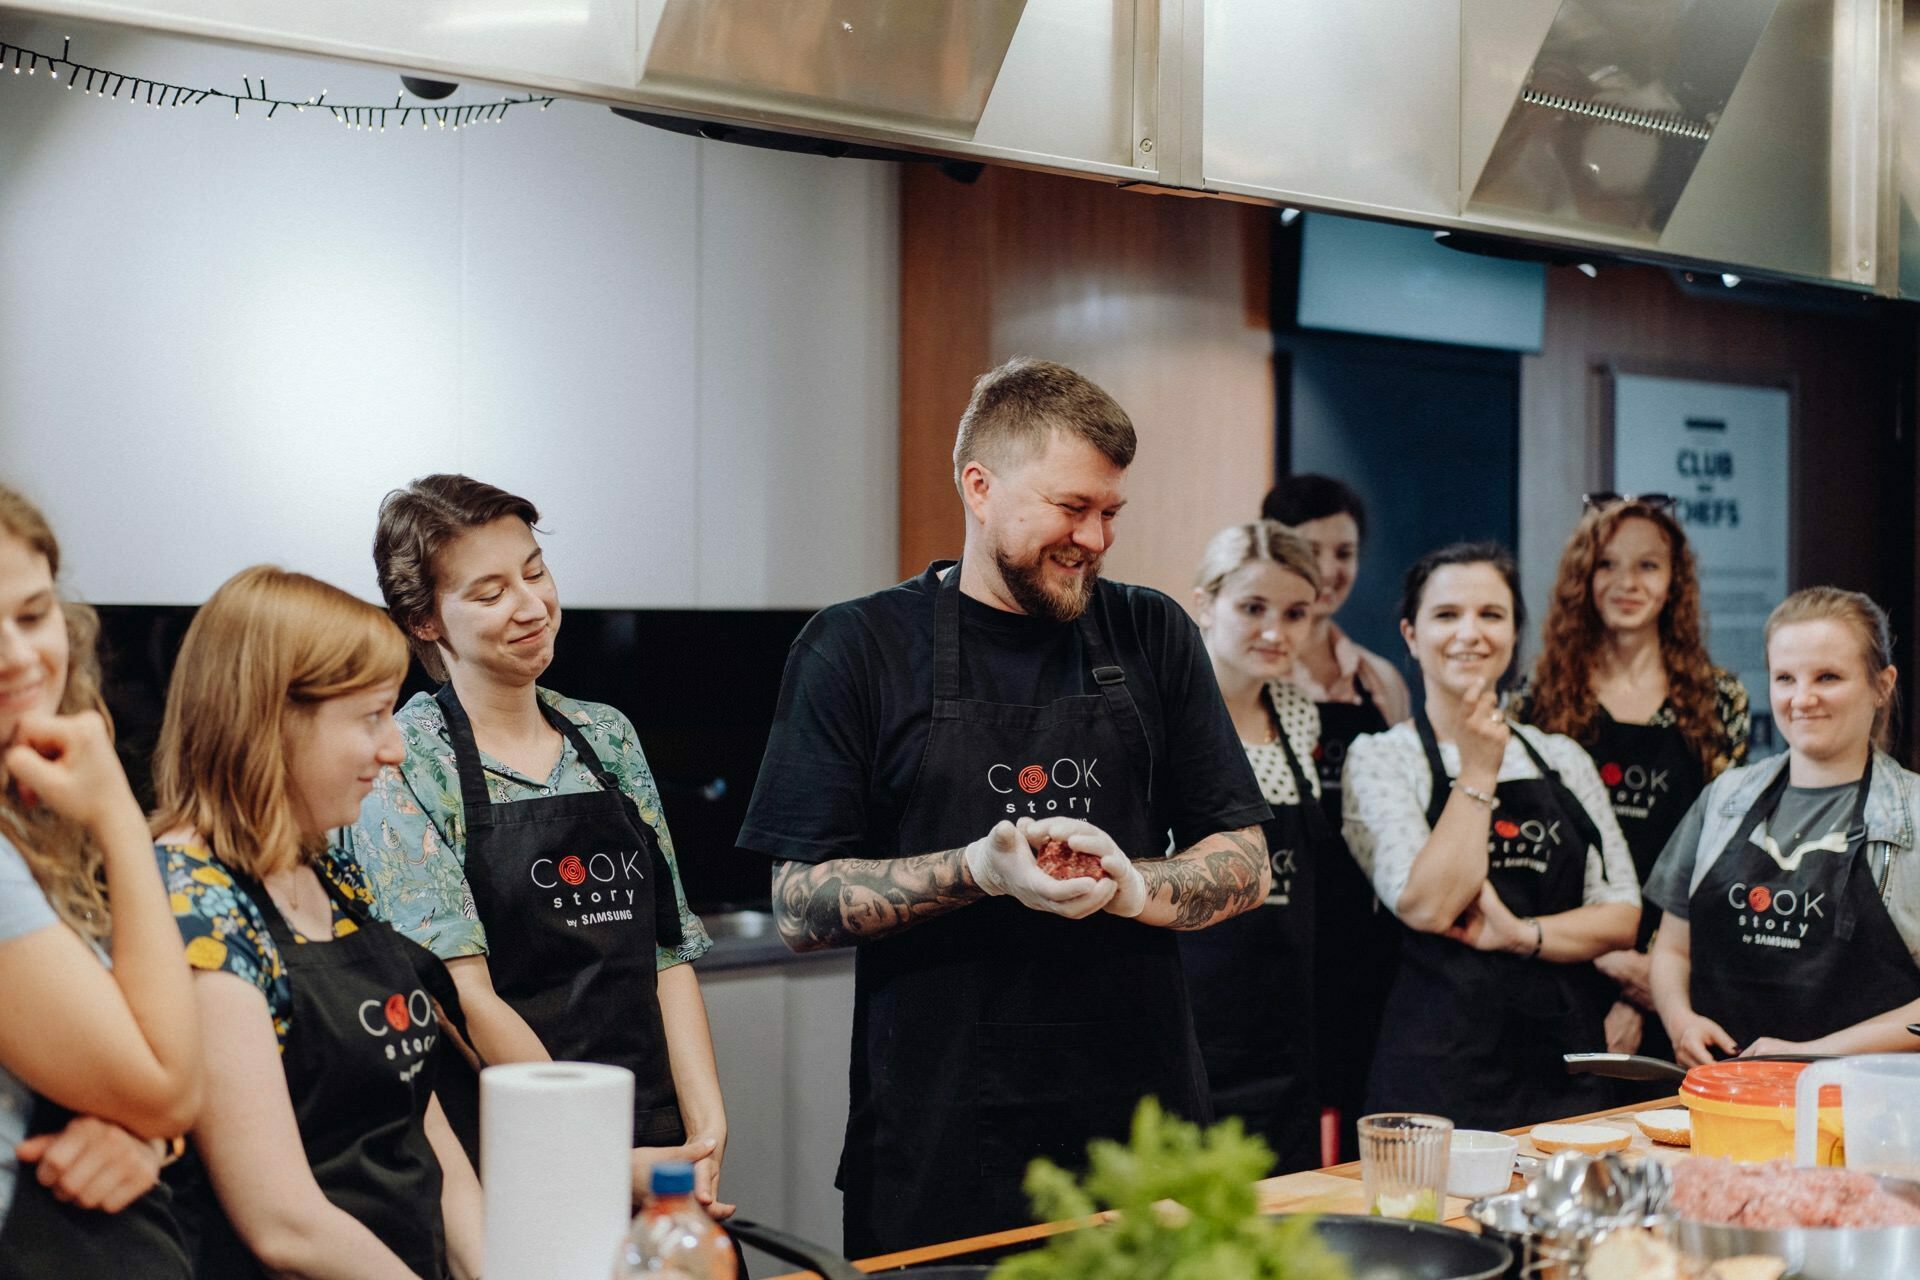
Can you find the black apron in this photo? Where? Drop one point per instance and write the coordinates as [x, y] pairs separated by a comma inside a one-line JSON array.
[[574, 891], [1360, 939], [1251, 980], [995, 1034], [1652, 778], [45, 1237], [1478, 1036], [360, 1061], [1796, 954]]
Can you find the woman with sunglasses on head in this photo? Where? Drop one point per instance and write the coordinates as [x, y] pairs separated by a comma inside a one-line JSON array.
[[1355, 691], [1495, 845], [1792, 886], [99, 1050], [321, 1151], [522, 838], [1623, 670], [1251, 978]]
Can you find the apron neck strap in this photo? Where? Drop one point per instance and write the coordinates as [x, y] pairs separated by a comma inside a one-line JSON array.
[[1318, 827], [1436, 768], [277, 926], [466, 754]]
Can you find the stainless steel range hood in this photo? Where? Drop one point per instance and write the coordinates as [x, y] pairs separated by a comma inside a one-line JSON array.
[[1756, 135], [918, 66], [1616, 111]]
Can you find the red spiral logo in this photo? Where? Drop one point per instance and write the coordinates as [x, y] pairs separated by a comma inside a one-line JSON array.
[[572, 870], [1611, 774], [1032, 778], [1760, 897], [1506, 830], [396, 1012]]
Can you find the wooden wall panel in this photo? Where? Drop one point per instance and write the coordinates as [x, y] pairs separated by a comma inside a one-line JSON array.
[[1161, 300]]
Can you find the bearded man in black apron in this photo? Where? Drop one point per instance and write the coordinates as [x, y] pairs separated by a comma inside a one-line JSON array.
[[929, 738]]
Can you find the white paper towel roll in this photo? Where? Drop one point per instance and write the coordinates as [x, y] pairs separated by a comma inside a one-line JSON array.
[[554, 1138]]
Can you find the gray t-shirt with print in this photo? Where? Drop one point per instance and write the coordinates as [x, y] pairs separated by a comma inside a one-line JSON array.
[[1806, 816]]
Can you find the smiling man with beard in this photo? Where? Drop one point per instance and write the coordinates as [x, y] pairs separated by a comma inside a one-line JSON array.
[[929, 738]]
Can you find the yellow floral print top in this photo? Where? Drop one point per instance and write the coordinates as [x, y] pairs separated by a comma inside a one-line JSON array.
[[225, 932]]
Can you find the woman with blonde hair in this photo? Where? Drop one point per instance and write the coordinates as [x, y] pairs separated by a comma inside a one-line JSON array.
[[1623, 671], [1251, 978], [321, 1152], [99, 1061], [1791, 888]]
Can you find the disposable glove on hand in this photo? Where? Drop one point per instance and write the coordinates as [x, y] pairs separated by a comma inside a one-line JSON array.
[[1130, 893], [1001, 862]]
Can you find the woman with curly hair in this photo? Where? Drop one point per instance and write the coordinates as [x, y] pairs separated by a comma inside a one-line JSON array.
[[99, 1050], [1623, 670]]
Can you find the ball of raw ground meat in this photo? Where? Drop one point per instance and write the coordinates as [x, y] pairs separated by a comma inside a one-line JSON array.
[[1062, 862]]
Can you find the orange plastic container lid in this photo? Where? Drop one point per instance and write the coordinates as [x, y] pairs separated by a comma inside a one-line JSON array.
[[1752, 1084]]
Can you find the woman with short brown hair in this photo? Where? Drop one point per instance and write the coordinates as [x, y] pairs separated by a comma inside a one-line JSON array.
[[522, 840]]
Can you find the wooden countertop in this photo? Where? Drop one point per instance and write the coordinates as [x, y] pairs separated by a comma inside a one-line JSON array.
[[1335, 1189]]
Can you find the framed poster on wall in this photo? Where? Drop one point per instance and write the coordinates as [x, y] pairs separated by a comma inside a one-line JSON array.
[[1723, 451]]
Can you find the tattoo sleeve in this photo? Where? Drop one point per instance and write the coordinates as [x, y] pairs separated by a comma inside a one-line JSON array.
[[851, 900], [1218, 878]]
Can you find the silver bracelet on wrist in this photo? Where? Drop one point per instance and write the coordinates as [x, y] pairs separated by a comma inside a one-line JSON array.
[[1475, 794]]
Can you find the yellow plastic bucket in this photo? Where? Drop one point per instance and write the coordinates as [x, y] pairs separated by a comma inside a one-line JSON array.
[[1744, 1111]]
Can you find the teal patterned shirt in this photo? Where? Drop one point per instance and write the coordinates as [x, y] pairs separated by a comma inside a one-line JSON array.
[[412, 841]]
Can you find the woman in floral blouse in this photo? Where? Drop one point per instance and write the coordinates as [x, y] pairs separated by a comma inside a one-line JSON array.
[[321, 1151], [521, 838]]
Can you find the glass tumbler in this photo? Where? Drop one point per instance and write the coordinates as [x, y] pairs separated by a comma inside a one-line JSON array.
[[1403, 1164]]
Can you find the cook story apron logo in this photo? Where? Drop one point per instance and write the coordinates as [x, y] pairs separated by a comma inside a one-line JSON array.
[[599, 885], [1770, 917], [1066, 774], [406, 1021], [1636, 788], [1285, 867], [1524, 845]]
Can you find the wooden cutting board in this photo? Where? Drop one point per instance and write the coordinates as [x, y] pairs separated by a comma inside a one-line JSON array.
[[1320, 1192]]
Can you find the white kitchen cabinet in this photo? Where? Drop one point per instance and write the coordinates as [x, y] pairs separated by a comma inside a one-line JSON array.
[[782, 1032]]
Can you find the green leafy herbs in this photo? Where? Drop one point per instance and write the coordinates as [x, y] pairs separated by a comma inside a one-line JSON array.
[[1216, 1233]]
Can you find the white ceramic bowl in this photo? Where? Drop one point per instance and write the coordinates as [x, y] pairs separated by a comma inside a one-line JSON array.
[[1480, 1163]]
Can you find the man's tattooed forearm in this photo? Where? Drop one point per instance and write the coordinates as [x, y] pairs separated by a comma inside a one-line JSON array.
[[850, 900], [1221, 876]]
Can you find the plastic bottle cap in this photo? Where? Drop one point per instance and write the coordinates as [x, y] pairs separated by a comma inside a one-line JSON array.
[[672, 1178]]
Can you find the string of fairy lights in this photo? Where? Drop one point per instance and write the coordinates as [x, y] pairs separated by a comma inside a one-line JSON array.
[[160, 94]]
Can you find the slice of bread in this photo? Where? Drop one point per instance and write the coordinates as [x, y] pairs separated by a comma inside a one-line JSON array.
[[1590, 1138], [1672, 1127]]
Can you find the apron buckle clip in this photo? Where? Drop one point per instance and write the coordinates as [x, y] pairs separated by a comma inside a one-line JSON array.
[[1109, 675]]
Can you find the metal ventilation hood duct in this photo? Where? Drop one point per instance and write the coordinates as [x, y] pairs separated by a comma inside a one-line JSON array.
[[926, 66], [1617, 110], [1757, 135]]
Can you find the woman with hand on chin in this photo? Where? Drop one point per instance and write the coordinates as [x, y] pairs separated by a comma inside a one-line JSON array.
[[1251, 977], [1624, 671], [1496, 847], [1791, 888], [522, 839], [96, 1014], [320, 1152]]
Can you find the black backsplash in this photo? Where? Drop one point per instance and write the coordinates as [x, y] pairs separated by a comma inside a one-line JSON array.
[[699, 686]]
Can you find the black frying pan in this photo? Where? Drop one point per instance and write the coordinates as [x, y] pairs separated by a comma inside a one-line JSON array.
[[1631, 1066], [1413, 1250]]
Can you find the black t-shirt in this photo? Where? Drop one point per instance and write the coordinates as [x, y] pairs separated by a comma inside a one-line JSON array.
[[856, 704]]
